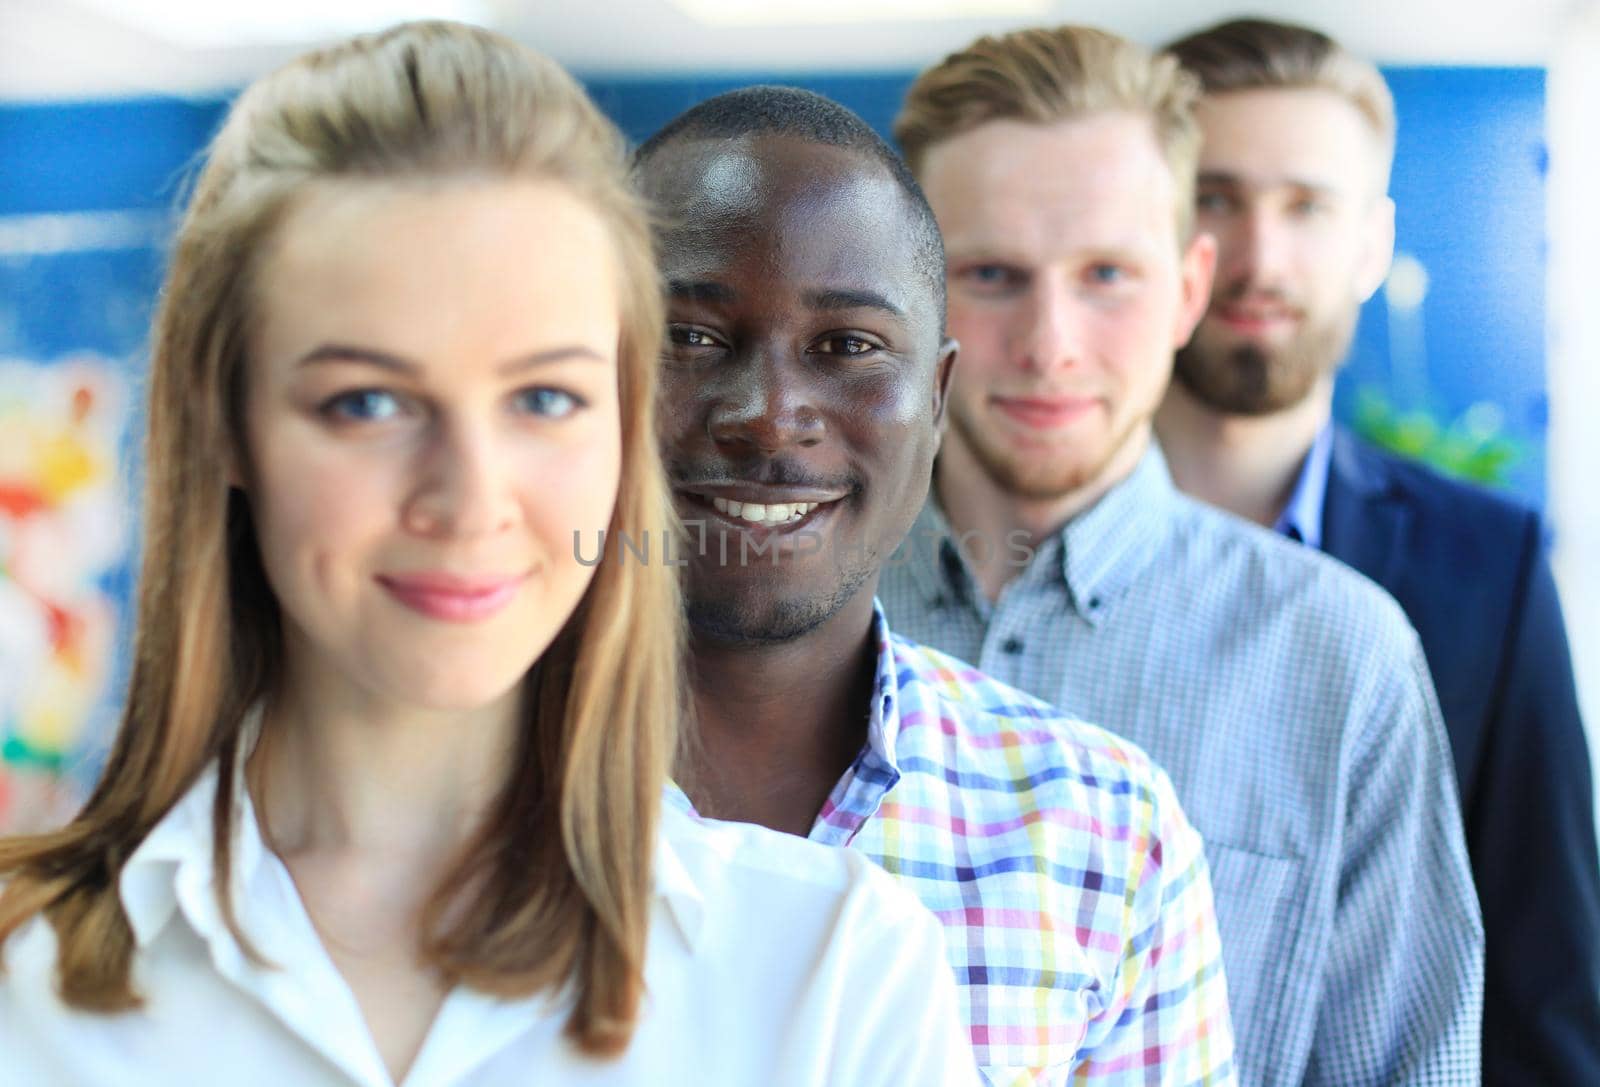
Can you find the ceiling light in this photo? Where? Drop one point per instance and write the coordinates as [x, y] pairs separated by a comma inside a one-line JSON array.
[[205, 24], [812, 12]]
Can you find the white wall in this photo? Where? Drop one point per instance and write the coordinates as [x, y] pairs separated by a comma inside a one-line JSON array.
[[1574, 339], [91, 48]]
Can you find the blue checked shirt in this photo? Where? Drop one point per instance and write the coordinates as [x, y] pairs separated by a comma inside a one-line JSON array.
[[1074, 894], [1289, 700]]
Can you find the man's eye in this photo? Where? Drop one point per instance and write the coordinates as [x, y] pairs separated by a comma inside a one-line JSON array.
[[550, 403], [1106, 274], [362, 406], [1213, 203], [684, 336], [992, 276], [846, 345]]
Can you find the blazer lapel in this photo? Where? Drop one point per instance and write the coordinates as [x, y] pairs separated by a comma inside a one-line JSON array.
[[1364, 516]]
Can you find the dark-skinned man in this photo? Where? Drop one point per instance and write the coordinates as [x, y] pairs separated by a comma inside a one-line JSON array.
[[803, 390]]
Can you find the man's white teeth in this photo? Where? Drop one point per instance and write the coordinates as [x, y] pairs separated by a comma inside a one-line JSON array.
[[757, 513]]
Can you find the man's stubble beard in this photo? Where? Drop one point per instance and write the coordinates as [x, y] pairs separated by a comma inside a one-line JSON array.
[[729, 619], [1039, 479], [1249, 379]]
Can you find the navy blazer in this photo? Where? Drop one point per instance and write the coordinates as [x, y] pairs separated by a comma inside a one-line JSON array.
[[1469, 569]]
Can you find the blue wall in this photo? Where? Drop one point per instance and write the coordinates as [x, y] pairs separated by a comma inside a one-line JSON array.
[[1460, 381]]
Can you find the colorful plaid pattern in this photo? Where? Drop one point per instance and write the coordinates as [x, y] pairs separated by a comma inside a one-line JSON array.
[[1074, 893]]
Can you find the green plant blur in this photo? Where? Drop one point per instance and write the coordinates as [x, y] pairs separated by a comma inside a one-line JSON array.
[[1474, 446]]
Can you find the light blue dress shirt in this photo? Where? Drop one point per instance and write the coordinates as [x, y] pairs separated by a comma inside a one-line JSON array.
[[1301, 518], [1288, 699]]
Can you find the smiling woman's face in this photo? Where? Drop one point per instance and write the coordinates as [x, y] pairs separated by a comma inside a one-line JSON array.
[[431, 414]]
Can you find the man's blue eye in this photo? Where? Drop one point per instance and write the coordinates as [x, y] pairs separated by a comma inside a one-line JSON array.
[[991, 274], [550, 403], [363, 405], [1106, 273]]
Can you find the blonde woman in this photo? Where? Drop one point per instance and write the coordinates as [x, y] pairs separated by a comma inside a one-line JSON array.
[[385, 802]]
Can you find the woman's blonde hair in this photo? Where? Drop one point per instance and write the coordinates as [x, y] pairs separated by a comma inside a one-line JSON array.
[[1048, 74], [525, 909]]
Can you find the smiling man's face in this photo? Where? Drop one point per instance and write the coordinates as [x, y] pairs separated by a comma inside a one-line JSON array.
[[802, 384]]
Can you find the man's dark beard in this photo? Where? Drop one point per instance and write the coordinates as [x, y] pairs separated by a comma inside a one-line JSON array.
[[1250, 380], [730, 620]]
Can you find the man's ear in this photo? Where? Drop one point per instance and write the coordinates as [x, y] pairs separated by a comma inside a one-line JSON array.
[[1196, 268], [1377, 248], [948, 349]]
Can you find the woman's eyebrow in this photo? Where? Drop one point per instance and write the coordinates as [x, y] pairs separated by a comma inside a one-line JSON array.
[[338, 352]]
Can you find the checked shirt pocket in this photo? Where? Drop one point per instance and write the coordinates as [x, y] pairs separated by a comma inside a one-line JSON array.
[[1260, 901]]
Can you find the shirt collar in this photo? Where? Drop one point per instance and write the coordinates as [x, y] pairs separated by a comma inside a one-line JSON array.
[[883, 720], [177, 854], [1099, 553], [926, 553], [883, 726], [684, 899], [1301, 518], [1108, 546]]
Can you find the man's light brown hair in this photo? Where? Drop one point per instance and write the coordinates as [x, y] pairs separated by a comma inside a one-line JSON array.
[[1046, 75], [1257, 54]]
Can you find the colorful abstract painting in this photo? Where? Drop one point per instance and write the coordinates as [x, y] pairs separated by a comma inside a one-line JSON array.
[[63, 530]]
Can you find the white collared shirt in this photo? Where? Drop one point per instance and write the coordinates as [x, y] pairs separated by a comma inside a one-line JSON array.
[[772, 961]]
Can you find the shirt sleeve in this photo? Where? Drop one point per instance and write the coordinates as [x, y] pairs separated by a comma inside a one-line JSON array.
[[936, 1045], [1167, 1021], [900, 1021], [1403, 987]]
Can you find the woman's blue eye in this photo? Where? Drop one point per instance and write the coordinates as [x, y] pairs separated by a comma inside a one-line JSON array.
[[363, 406], [550, 403]]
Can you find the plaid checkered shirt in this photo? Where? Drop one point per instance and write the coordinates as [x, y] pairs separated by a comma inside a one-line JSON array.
[[1074, 894], [1289, 699]]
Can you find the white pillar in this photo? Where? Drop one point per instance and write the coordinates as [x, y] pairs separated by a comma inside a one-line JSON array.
[[1573, 216]]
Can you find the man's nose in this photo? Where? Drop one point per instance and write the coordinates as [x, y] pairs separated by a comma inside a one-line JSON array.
[[464, 485], [768, 401], [1257, 252], [1050, 338]]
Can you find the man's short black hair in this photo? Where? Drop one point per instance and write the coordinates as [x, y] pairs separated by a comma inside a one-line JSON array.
[[805, 115]]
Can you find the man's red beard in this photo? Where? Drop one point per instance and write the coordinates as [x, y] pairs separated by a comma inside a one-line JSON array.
[[1249, 378]]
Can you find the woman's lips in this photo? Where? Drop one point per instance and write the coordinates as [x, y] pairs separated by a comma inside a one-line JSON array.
[[452, 598], [1044, 412]]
